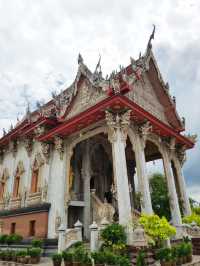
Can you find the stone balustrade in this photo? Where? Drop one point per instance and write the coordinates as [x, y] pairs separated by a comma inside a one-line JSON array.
[[15, 203], [34, 198]]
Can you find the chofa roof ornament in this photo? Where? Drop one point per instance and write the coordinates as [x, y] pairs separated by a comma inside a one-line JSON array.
[[149, 45]]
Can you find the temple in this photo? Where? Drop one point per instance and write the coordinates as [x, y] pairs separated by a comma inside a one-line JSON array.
[[77, 156]]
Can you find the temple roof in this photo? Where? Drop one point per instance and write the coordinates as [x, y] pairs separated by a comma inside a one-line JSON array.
[[90, 91]]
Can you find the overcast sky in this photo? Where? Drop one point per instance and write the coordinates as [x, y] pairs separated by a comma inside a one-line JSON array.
[[40, 41]]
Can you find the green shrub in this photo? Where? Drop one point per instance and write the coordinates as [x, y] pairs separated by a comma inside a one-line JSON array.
[[2, 255], [86, 259], [124, 261], [194, 217], [37, 243], [35, 252], [98, 257], [13, 239], [157, 228], [21, 253], [67, 256], [78, 254], [3, 239], [57, 257], [164, 254], [77, 244], [140, 261], [114, 237], [110, 258]]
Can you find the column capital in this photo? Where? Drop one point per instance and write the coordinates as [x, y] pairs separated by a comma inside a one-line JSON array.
[[117, 122], [59, 145]]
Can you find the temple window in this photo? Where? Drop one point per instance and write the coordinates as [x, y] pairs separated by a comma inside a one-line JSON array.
[[34, 181], [3, 183], [13, 228], [36, 172], [16, 186], [2, 189], [18, 174], [32, 228]]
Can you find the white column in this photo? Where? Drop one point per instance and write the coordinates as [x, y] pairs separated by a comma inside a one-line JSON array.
[[174, 204], [138, 147], [61, 238], [181, 180], [118, 126], [86, 177], [94, 237]]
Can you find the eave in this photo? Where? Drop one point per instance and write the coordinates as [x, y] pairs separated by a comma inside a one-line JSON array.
[[116, 102], [25, 129]]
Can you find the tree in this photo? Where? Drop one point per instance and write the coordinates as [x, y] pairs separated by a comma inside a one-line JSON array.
[[159, 195]]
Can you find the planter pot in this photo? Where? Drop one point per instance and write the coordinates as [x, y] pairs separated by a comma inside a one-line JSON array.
[[68, 263], [166, 263], [76, 263], [189, 258], [34, 260], [57, 263]]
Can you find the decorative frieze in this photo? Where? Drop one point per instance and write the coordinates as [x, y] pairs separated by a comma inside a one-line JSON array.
[[40, 130], [13, 147], [46, 151], [191, 137], [144, 130], [118, 121], [59, 145], [181, 154], [28, 144]]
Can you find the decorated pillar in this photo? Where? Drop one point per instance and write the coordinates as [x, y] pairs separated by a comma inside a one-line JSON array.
[[117, 134], [143, 181], [182, 186], [86, 175], [174, 204]]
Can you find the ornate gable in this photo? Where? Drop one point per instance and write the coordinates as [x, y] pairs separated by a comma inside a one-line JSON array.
[[144, 95], [87, 96]]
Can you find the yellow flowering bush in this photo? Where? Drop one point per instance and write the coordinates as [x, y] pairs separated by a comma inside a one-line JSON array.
[[157, 228], [192, 218]]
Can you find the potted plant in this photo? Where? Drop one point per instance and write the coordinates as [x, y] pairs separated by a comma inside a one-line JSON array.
[[13, 239], [68, 258], [140, 260], [124, 261], [98, 258], [57, 259], [78, 255], [111, 258], [165, 256], [188, 251], [37, 243], [86, 260], [3, 239], [114, 237], [35, 254], [22, 256], [2, 255]]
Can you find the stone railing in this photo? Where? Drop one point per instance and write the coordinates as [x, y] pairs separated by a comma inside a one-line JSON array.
[[15, 202], [68, 237], [2, 205], [191, 230], [34, 198], [101, 210]]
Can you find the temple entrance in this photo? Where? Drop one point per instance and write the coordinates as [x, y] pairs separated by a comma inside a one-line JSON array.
[[91, 182]]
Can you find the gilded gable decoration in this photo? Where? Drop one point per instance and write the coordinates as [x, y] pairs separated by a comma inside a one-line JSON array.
[[4, 175], [38, 161], [20, 169]]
